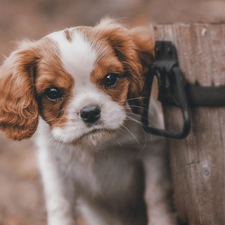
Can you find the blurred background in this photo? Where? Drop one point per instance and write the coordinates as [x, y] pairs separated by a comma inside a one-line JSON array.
[[21, 201]]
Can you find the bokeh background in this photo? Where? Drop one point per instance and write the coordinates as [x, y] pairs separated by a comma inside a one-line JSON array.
[[21, 200]]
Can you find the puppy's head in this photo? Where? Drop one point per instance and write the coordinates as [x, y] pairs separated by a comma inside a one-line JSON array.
[[78, 80]]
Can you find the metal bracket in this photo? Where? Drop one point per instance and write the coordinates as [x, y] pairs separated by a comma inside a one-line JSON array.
[[171, 88], [206, 96]]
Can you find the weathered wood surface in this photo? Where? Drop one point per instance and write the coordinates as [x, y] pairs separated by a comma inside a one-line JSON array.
[[198, 162]]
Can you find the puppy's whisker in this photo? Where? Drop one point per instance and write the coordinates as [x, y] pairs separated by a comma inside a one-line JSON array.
[[114, 139], [142, 129], [58, 147], [152, 123], [137, 98], [135, 106], [69, 166], [77, 153], [136, 121], [122, 132], [155, 125], [131, 134]]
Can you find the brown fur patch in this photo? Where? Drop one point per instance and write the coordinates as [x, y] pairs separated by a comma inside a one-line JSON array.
[[106, 64], [67, 34], [50, 73], [19, 110], [24, 76]]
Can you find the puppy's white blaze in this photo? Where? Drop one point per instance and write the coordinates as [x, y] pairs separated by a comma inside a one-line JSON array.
[[77, 55]]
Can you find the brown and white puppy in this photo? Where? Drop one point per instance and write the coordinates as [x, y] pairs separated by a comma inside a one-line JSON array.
[[73, 87]]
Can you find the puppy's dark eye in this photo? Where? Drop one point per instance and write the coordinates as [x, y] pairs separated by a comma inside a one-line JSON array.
[[53, 94], [110, 80]]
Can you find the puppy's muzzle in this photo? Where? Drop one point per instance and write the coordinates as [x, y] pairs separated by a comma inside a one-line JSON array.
[[90, 114]]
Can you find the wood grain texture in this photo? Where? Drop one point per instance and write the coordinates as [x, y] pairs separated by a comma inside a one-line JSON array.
[[198, 162]]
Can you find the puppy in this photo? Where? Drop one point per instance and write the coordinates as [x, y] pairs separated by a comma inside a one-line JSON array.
[[78, 90]]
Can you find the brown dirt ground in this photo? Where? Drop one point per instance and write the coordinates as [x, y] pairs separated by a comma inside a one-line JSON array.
[[21, 200]]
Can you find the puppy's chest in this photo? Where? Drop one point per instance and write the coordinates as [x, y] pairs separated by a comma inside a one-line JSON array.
[[111, 173]]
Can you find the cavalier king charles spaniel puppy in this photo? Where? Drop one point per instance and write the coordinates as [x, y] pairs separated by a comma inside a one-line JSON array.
[[80, 90]]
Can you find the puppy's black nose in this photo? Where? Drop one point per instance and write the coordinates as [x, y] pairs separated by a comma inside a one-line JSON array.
[[90, 114]]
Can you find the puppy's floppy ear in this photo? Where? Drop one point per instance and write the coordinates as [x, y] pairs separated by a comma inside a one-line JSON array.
[[18, 107], [144, 47]]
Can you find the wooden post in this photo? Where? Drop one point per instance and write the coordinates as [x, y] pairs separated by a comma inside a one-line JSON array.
[[198, 162]]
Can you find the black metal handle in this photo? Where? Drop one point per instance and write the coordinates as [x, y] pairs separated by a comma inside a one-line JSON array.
[[166, 69]]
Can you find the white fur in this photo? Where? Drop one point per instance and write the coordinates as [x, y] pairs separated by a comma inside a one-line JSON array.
[[77, 55]]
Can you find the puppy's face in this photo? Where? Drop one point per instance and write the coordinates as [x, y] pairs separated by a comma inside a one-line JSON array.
[[78, 80], [86, 100]]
